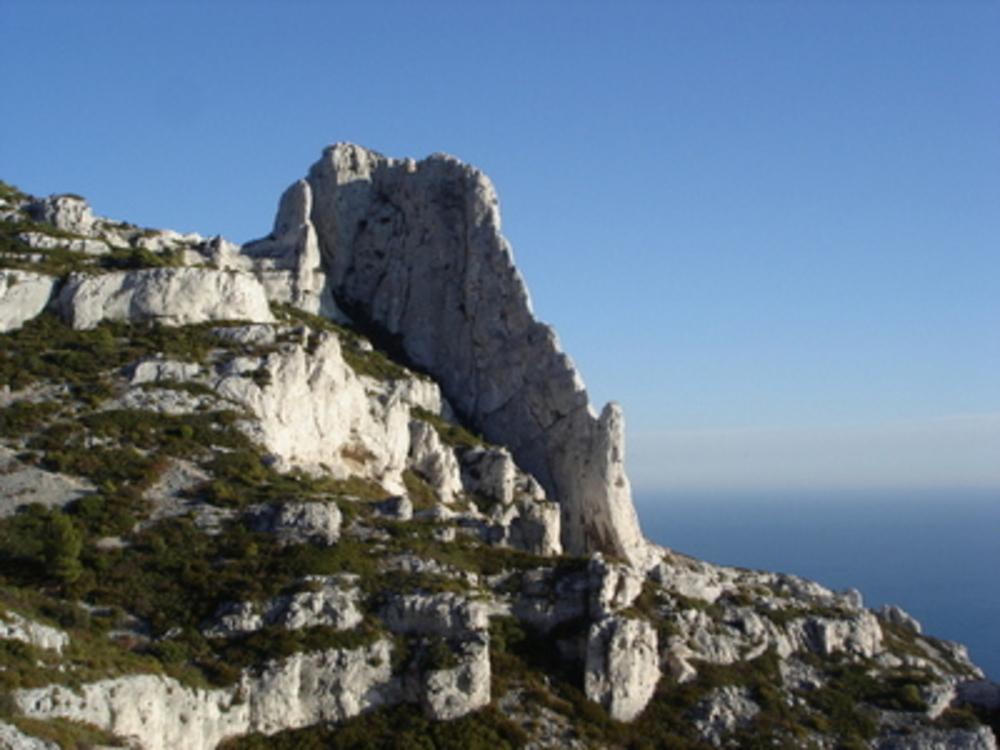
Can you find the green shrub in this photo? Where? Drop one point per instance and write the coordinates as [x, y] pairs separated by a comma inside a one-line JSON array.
[[129, 259], [25, 417], [421, 494], [68, 734], [401, 727], [451, 434], [41, 543], [11, 194], [111, 467]]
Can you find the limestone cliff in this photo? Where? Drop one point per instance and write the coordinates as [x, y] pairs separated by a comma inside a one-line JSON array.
[[413, 251], [229, 517]]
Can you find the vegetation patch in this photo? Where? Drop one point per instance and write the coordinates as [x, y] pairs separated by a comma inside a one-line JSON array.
[[451, 434], [47, 349], [401, 727], [421, 494], [270, 643], [68, 734]]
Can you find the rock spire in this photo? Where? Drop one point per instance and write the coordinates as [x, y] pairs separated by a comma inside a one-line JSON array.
[[413, 250]]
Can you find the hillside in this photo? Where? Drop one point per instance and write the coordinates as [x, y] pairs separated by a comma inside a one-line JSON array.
[[339, 488]]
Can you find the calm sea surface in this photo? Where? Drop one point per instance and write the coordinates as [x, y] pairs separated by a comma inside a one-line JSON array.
[[935, 554]]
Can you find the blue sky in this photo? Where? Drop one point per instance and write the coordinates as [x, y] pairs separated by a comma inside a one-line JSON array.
[[770, 229]]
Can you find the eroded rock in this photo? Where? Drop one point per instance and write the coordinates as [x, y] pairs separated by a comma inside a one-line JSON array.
[[414, 248], [623, 665], [23, 296], [172, 296]]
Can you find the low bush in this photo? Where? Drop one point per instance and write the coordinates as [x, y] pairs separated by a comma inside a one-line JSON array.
[[401, 727], [451, 434]]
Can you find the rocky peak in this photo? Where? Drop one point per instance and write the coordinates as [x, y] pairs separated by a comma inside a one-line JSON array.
[[413, 250]]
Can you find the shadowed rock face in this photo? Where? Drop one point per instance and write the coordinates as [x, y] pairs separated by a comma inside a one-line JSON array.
[[414, 250]]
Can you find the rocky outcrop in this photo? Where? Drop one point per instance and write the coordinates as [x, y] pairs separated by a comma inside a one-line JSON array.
[[23, 295], [414, 250], [623, 665], [459, 627], [315, 412], [897, 616], [434, 462], [159, 713], [18, 628], [288, 262], [980, 738], [453, 691], [725, 710], [67, 213], [172, 296], [296, 522]]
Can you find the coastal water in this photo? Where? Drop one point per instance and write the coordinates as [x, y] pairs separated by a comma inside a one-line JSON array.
[[935, 554]]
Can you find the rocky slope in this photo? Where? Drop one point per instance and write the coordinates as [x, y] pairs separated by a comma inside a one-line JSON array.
[[339, 485]]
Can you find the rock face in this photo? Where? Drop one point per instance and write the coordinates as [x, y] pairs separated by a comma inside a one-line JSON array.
[[623, 665], [414, 250], [314, 411], [23, 295], [160, 713], [174, 296]]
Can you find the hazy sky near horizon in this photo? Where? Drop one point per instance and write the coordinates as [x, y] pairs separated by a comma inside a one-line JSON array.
[[770, 229]]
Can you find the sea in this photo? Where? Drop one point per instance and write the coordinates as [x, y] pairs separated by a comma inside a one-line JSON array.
[[935, 553]]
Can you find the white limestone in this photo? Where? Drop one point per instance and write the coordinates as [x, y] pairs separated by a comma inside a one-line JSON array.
[[416, 249], [455, 691], [434, 461], [172, 296], [23, 296], [725, 709], [316, 413], [299, 522], [11, 738], [435, 614], [19, 628], [159, 713], [623, 665], [68, 213], [23, 484]]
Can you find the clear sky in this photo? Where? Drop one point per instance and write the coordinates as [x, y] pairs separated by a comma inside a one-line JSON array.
[[770, 229]]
